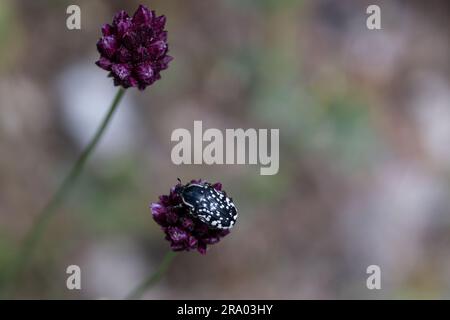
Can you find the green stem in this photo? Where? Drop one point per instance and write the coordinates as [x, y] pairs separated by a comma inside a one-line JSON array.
[[42, 219], [153, 278]]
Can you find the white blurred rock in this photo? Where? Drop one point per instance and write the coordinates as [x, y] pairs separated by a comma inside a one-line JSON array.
[[430, 102], [86, 93], [387, 223], [111, 270]]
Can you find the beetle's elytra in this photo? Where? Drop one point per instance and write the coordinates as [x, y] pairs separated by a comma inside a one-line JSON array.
[[209, 205]]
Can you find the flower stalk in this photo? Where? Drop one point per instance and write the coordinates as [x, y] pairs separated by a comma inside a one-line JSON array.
[[153, 278], [42, 219]]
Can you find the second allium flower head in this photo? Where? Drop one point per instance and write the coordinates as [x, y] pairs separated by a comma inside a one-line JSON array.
[[184, 231], [135, 49]]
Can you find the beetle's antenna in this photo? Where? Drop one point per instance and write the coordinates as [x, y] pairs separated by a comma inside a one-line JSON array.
[[179, 180]]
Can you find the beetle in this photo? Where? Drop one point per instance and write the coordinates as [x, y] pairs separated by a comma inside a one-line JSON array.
[[211, 206]]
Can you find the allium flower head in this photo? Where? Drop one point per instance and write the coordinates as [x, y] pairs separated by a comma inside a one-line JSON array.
[[183, 231], [134, 50]]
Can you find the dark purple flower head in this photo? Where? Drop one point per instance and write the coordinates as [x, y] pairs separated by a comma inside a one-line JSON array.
[[183, 231], [134, 50]]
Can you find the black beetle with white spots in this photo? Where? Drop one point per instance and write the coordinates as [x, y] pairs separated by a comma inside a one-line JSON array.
[[209, 205]]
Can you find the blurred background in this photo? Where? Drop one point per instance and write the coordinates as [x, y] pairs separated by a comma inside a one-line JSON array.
[[364, 118]]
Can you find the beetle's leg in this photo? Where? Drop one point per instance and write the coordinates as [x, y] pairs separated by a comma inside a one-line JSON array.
[[178, 206], [192, 212]]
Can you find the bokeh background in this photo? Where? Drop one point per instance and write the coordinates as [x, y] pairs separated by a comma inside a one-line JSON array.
[[364, 120]]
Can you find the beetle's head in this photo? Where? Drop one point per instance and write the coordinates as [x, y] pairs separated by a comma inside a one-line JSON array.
[[179, 187]]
